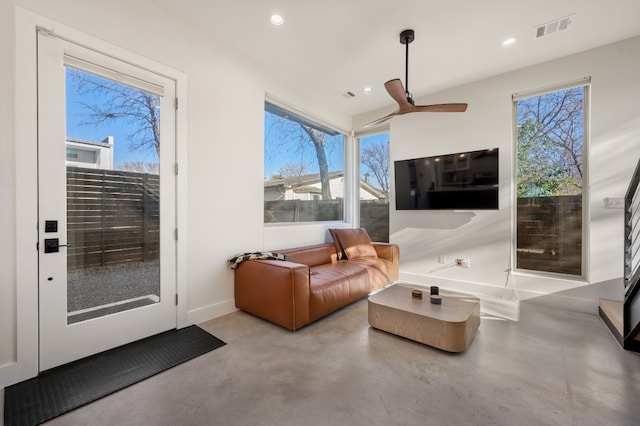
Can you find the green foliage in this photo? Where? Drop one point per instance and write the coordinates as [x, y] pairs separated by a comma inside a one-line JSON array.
[[549, 144]]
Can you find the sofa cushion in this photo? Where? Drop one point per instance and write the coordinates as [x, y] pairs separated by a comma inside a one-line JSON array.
[[355, 243], [333, 286], [318, 254], [381, 271]]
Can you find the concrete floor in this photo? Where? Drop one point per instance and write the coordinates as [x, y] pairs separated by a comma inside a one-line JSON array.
[[552, 367]]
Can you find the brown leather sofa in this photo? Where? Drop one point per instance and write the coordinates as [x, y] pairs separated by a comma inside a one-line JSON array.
[[315, 280]]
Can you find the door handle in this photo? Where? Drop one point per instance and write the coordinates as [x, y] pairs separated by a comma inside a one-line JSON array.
[[52, 245]]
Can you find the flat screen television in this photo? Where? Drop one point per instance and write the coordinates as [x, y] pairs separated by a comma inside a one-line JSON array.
[[460, 181]]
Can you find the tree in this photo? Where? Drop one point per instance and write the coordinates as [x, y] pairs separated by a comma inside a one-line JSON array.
[[319, 139], [549, 139], [290, 170], [117, 101], [375, 157], [300, 141]]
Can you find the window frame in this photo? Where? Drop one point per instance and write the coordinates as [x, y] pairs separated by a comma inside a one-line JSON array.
[[358, 136], [321, 124], [585, 83]]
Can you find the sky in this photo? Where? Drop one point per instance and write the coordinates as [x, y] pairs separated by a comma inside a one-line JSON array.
[[278, 150], [282, 146], [119, 129]]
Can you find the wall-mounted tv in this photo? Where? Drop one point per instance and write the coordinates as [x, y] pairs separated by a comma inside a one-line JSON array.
[[460, 181]]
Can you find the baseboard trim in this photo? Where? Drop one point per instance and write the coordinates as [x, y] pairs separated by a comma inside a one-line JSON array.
[[8, 375], [206, 313], [13, 373]]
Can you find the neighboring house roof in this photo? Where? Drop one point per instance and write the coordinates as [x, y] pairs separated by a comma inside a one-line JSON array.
[[103, 144], [298, 181], [304, 184], [372, 189]]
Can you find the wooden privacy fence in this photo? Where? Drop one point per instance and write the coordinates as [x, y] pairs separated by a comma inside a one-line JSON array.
[[302, 210], [374, 214], [374, 217], [550, 234], [112, 217]]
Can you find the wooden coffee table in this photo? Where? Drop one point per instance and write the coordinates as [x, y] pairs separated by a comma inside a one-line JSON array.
[[450, 326]]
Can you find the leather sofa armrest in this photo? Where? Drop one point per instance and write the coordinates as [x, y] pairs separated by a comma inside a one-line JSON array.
[[275, 290], [390, 252]]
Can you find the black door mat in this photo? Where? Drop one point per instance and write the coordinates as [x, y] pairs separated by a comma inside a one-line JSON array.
[[72, 385]]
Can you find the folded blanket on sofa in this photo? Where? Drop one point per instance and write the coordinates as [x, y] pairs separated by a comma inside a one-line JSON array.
[[234, 261]]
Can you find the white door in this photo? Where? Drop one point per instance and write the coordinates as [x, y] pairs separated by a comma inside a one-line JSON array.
[[106, 202]]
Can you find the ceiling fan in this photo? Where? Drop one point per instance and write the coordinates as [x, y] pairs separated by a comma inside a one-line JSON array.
[[402, 95]]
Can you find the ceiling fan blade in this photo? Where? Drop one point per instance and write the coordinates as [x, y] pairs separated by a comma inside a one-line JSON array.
[[396, 90], [440, 108], [383, 119], [402, 96]]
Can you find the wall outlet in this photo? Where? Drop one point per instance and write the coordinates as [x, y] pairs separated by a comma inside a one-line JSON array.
[[463, 262], [614, 203]]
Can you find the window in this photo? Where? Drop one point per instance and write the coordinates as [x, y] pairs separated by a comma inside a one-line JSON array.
[[304, 168], [374, 186], [72, 154], [550, 177]]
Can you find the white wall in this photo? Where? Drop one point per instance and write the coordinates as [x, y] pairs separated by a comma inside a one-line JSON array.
[[7, 191], [225, 155], [485, 236], [224, 163]]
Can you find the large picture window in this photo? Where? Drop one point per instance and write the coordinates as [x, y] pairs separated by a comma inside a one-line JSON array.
[[304, 168], [550, 178]]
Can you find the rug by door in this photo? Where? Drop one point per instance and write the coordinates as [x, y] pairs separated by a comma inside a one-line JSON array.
[[62, 389]]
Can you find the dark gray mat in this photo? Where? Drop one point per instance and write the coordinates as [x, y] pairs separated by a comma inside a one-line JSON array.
[[72, 385]]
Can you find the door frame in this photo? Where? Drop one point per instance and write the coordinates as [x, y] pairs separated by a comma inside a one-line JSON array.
[[26, 140], [61, 341]]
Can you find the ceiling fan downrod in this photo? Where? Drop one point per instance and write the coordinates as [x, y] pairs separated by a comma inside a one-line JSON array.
[[406, 37]]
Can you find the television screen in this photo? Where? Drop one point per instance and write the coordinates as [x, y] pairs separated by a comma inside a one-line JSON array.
[[461, 181]]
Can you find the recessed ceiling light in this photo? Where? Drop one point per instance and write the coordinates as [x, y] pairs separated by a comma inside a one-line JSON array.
[[367, 89], [277, 19], [509, 41]]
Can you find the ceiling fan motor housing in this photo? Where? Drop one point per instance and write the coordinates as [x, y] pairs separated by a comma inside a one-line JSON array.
[[407, 36]]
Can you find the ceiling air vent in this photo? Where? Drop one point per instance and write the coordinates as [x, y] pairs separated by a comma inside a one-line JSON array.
[[348, 95], [554, 26]]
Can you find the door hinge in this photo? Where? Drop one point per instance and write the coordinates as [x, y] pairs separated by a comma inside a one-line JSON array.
[[176, 234], [176, 299], [38, 246], [176, 102], [176, 168]]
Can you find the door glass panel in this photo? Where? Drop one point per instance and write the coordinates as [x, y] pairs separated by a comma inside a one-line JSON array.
[[113, 196]]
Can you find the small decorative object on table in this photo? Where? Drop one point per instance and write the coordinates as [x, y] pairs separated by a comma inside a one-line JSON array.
[[416, 294], [436, 300], [435, 290]]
